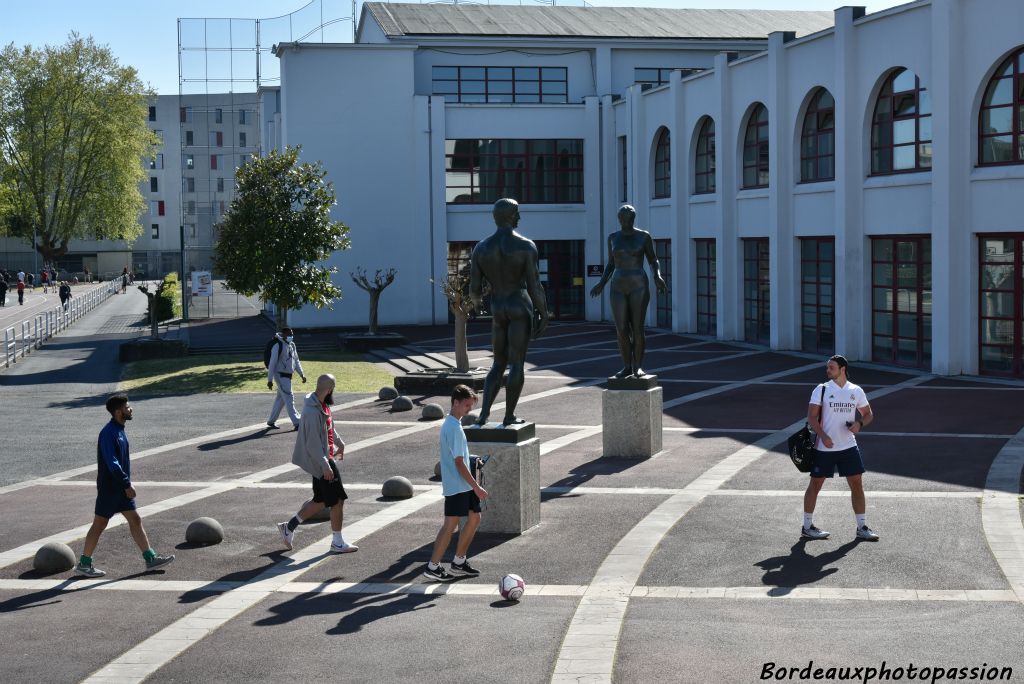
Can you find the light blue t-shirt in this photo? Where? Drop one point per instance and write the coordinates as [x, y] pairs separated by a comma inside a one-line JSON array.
[[453, 445]]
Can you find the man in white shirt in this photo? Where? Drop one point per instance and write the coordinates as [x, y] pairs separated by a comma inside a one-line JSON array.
[[833, 416]]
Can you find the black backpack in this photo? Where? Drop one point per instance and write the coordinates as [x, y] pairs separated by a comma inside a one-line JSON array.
[[269, 350]]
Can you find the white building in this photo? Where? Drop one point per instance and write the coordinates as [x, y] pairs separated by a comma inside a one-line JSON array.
[[803, 185]]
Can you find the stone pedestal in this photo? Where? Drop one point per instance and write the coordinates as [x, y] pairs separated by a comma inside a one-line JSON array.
[[631, 417], [511, 476]]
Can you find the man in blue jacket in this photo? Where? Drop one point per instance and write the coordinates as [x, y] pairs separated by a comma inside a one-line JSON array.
[[114, 490]]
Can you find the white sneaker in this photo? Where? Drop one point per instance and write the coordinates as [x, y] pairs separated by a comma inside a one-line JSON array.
[[344, 548], [286, 535], [866, 533], [813, 532]]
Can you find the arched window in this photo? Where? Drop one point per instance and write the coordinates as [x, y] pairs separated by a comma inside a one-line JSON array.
[[818, 139], [1001, 120], [755, 149], [704, 162], [662, 166], [901, 128]]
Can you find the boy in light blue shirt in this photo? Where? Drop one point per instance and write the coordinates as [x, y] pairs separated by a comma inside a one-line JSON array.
[[462, 493]]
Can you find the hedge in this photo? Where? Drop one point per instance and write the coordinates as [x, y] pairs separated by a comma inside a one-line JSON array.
[[168, 298]]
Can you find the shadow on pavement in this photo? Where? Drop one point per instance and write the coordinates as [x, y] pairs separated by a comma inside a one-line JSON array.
[[585, 472], [213, 446], [799, 567]]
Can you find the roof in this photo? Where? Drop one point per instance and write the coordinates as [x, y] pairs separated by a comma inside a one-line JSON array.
[[405, 19]]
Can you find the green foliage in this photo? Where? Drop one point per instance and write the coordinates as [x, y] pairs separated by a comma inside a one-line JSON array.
[[168, 298], [72, 136], [278, 231]]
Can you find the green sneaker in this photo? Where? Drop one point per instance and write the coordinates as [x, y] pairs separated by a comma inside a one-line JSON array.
[[88, 571]]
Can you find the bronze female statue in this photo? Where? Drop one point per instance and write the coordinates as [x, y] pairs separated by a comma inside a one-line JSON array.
[[631, 292]]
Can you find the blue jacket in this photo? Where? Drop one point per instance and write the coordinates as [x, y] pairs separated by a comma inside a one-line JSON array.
[[113, 465]]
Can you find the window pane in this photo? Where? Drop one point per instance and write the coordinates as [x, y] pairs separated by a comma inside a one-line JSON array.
[[882, 274], [555, 88], [825, 100], [499, 73], [924, 128], [503, 87], [472, 73], [997, 304], [905, 80], [527, 73], [445, 72], [999, 93], [881, 298], [905, 105], [883, 323], [924, 155], [555, 73], [825, 167], [528, 87], [903, 132], [904, 157], [998, 149], [807, 171], [472, 87], [643, 74]]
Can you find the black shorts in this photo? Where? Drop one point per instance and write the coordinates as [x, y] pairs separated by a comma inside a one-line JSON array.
[[110, 503], [329, 492], [848, 461], [459, 505]]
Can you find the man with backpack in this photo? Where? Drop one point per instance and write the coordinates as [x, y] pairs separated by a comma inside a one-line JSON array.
[[65, 294], [21, 292], [282, 361], [837, 411]]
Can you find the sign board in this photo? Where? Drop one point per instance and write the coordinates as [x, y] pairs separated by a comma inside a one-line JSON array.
[[595, 270], [202, 284]]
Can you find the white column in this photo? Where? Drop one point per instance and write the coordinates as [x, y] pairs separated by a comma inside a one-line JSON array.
[[730, 255], [784, 266], [594, 151], [954, 321], [853, 258], [438, 207], [603, 70], [682, 246]]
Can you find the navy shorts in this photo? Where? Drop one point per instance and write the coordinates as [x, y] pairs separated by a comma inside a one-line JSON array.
[[109, 504], [459, 505], [329, 492], [848, 461]]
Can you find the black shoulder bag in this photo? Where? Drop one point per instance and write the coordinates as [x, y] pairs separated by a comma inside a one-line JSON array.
[[801, 442]]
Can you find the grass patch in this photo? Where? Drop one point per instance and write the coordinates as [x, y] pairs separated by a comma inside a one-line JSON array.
[[241, 373]]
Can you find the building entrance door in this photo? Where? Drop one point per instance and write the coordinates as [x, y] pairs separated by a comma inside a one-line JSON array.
[[1001, 305], [562, 275]]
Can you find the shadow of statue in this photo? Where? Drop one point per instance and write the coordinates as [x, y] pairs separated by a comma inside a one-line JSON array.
[[799, 567]]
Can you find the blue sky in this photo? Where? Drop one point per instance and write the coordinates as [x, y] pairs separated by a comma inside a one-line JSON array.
[[145, 35]]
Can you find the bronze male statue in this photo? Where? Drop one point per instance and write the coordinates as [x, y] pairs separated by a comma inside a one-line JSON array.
[[508, 261], [631, 292]]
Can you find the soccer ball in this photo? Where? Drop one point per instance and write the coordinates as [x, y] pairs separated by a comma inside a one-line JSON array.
[[511, 587]]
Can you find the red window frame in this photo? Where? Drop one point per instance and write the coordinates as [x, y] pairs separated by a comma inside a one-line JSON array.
[[817, 294], [160, 208], [220, 138], [756, 291], [548, 171], [707, 277], [818, 139], [755, 149], [663, 165], [1011, 292], [704, 159], [1011, 72], [213, 161], [663, 300], [885, 120], [901, 293]]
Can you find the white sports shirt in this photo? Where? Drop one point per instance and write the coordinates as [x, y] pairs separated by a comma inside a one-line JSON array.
[[841, 404]]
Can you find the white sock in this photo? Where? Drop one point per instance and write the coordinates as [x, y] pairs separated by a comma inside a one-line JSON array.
[[459, 560], [433, 566], [338, 539], [862, 520], [808, 520]]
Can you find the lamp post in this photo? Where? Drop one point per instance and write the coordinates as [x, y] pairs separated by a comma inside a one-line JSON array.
[[35, 252]]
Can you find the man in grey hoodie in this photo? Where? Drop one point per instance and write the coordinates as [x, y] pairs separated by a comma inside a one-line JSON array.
[[284, 362], [317, 448]]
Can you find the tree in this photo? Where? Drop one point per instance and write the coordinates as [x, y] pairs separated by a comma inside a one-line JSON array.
[[380, 281], [456, 289], [73, 136], [278, 230]]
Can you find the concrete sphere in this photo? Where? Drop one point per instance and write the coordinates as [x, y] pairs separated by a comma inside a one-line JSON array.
[[54, 557], [397, 487], [437, 469], [401, 404], [470, 418], [433, 412], [387, 393], [204, 531]]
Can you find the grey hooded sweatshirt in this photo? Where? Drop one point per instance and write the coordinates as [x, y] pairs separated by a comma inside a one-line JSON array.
[[311, 448]]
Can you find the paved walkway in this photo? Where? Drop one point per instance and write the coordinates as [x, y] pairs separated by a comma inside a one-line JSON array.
[[684, 567]]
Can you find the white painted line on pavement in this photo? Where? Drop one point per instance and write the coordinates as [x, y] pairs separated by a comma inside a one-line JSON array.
[[533, 591], [1001, 514]]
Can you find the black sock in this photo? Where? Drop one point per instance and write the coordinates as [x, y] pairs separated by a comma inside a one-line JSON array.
[[293, 523]]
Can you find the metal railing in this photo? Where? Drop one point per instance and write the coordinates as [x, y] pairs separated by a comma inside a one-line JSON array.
[[20, 340]]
